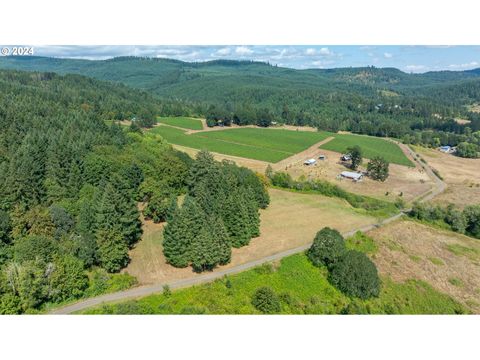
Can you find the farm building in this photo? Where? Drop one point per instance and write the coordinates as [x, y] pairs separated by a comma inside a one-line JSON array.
[[447, 149], [310, 162], [352, 175]]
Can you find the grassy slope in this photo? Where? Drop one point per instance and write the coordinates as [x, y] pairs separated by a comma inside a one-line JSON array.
[[183, 122], [303, 289], [371, 147], [259, 144]]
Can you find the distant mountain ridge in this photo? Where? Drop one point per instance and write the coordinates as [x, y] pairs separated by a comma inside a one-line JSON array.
[[155, 74]]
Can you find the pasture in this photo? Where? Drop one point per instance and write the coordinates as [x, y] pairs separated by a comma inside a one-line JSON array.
[[302, 288], [183, 122], [281, 228], [269, 145], [408, 249], [371, 147]]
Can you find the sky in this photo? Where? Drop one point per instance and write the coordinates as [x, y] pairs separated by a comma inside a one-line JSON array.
[[411, 59]]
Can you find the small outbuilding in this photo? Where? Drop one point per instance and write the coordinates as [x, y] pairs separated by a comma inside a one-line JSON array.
[[355, 176], [310, 162], [322, 157]]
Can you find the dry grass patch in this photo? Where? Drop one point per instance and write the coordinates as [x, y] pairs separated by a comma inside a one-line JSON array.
[[291, 220], [460, 175], [432, 255]]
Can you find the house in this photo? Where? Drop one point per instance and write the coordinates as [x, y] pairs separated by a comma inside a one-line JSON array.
[[346, 157], [310, 162], [322, 157], [352, 175]]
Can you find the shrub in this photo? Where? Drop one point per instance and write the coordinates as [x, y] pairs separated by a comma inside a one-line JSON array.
[[355, 275], [327, 248], [266, 301]]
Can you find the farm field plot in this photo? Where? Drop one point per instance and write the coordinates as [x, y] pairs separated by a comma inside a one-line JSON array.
[[269, 145], [302, 288], [183, 122], [371, 147], [448, 261], [291, 220]]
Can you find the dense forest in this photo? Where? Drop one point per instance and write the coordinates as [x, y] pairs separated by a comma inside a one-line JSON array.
[[70, 183], [417, 108], [72, 180]]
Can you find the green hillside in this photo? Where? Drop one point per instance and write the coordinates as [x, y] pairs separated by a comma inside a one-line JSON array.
[[417, 108]]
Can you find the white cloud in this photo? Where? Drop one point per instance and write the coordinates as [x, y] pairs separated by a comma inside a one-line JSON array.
[[469, 65], [223, 52], [325, 51], [243, 50], [416, 68], [387, 55]]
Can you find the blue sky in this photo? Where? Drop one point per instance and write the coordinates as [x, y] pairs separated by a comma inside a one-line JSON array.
[[406, 58]]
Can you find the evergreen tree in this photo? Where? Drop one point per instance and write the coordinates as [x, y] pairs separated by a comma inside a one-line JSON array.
[[236, 219], [130, 222], [204, 252], [172, 208], [112, 250], [221, 239], [204, 164], [179, 233]]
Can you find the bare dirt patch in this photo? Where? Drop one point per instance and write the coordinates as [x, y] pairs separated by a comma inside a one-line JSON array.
[[448, 261], [291, 220], [460, 174]]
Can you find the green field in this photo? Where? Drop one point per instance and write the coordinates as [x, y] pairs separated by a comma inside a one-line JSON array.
[[183, 122], [303, 289], [260, 144], [371, 147]]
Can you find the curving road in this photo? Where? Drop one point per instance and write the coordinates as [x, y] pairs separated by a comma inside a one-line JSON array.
[[158, 288]]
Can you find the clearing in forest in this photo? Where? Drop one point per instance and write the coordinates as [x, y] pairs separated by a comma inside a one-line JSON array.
[[182, 122], [271, 145]]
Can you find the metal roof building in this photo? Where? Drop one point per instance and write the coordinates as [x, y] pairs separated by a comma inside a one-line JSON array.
[[352, 175]]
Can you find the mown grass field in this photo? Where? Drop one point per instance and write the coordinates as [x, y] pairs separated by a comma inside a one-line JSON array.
[[303, 289], [371, 147], [260, 144], [183, 122]]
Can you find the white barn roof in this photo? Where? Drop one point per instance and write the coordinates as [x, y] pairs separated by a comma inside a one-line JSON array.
[[352, 175]]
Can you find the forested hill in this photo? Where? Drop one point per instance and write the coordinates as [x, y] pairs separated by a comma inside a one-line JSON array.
[[69, 185], [417, 108], [226, 80]]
